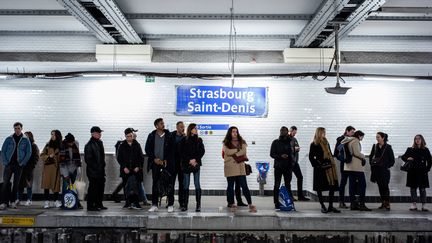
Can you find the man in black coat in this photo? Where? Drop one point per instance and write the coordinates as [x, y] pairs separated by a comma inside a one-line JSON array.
[[177, 136], [349, 132], [160, 151], [131, 160], [296, 167], [282, 153], [94, 156]]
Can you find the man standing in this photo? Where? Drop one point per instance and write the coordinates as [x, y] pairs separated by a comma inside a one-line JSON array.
[[178, 135], [296, 167], [94, 156], [159, 149], [349, 132], [16, 152], [131, 160], [281, 152]]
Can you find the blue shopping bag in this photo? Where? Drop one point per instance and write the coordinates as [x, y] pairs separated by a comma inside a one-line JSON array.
[[285, 200]]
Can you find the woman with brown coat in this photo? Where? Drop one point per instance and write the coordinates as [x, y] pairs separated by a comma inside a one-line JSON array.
[[50, 156], [234, 151]]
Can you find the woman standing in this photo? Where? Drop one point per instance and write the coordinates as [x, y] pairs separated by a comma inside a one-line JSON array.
[[191, 152], [420, 157], [26, 180], [324, 175], [70, 162], [234, 150], [51, 175], [355, 169], [381, 159]]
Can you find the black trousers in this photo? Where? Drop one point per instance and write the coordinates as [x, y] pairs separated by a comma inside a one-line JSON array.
[[298, 174], [278, 173], [181, 192], [95, 192], [156, 174], [384, 191], [16, 170]]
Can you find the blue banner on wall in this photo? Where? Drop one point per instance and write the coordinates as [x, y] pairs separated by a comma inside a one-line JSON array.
[[218, 100]]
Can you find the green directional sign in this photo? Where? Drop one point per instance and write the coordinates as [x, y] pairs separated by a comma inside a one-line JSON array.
[[150, 79]]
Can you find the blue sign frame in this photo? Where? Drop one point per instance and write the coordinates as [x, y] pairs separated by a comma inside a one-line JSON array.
[[221, 101]]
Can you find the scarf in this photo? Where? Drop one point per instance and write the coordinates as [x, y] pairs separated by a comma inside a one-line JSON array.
[[331, 173]]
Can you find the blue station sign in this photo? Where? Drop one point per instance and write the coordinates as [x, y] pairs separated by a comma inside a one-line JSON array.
[[221, 101]]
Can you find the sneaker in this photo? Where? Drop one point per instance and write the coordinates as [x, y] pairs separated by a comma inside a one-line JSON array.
[[57, 204], [14, 205], [170, 209], [136, 206], [153, 209], [17, 202], [46, 204], [127, 205], [333, 210], [28, 203], [363, 207], [343, 205], [304, 199], [146, 203], [3, 206]]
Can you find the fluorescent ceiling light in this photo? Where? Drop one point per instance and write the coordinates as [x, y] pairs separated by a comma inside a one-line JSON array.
[[102, 75], [3, 76], [389, 79]]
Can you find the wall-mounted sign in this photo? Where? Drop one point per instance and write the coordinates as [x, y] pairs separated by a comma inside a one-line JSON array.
[[218, 100], [212, 129]]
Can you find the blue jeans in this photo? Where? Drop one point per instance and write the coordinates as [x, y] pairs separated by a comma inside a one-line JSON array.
[[243, 184], [343, 182], [186, 180], [357, 183], [142, 192]]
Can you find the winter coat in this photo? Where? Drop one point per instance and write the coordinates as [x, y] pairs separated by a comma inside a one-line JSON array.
[[231, 167], [320, 182], [94, 156], [24, 150], [27, 173], [51, 169], [294, 143], [169, 150], [68, 165], [131, 157], [177, 155], [191, 148], [279, 147], [354, 147], [422, 163], [380, 173]]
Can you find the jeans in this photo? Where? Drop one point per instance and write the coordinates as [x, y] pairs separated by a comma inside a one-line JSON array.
[[142, 192], [186, 180], [422, 194], [278, 173], [243, 184], [354, 178], [343, 182], [10, 169]]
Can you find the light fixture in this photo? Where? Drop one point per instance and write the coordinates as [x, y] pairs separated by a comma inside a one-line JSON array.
[[91, 75], [389, 79], [3, 76]]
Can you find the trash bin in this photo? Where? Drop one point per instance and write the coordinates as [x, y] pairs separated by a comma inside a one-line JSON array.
[[262, 167]]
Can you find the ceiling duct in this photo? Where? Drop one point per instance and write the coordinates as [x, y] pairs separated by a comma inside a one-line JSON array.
[[308, 55]]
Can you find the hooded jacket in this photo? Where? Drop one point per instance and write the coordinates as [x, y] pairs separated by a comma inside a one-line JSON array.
[[24, 150]]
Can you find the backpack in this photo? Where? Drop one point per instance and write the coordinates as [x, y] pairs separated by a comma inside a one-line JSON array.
[[285, 200], [344, 155]]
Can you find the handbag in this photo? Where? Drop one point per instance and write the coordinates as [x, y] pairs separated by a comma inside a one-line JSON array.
[[326, 164], [378, 161], [407, 166], [248, 169]]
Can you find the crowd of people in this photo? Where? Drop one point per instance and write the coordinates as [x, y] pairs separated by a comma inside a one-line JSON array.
[[176, 156]]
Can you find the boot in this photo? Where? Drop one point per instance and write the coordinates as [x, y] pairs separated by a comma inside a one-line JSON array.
[[198, 200], [383, 203], [387, 205], [184, 206]]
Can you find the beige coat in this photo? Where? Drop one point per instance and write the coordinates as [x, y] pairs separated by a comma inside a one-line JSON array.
[[355, 149], [50, 173], [231, 167]]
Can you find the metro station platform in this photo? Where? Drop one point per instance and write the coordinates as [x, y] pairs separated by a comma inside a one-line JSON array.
[[216, 218]]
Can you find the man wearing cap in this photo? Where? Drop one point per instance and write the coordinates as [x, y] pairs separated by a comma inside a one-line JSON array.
[[159, 149], [94, 156], [70, 162], [131, 160]]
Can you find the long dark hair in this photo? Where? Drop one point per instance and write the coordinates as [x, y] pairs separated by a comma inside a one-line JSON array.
[[358, 134], [228, 137], [423, 141], [56, 144], [189, 134], [30, 136]]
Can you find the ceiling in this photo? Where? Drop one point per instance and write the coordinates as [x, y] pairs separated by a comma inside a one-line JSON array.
[[180, 31]]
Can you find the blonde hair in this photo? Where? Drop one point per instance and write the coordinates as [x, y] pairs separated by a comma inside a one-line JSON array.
[[318, 135]]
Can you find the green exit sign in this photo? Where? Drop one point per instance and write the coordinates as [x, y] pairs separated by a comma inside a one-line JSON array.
[[150, 79]]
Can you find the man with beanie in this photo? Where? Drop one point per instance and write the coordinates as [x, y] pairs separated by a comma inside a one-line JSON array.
[[15, 152], [94, 156]]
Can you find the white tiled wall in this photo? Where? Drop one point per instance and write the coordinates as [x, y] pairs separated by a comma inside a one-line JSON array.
[[401, 109]]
